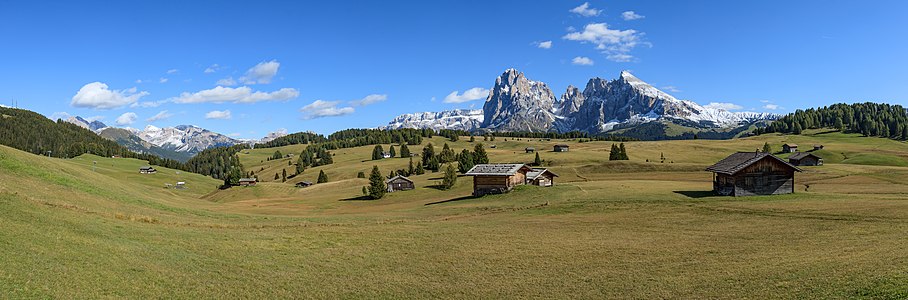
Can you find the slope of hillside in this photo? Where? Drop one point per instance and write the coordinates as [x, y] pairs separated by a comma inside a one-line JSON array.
[[79, 229]]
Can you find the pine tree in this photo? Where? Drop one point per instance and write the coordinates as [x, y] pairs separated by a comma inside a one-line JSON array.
[[391, 175], [377, 186], [447, 155], [276, 176], [450, 177], [472, 138], [284, 175], [767, 148], [277, 155], [428, 152], [479, 155], [797, 128], [377, 152], [662, 157], [300, 166], [614, 154], [433, 165], [365, 191], [404, 150], [322, 177], [623, 152], [393, 153], [465, 163], [419, 169], [410, 168], [537, 161]]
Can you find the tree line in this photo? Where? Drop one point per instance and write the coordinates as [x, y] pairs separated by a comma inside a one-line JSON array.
[[867, 119]]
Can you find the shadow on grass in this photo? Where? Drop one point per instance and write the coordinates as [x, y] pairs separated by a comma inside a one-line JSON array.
[[360, 198], [826, 132], [453, 200], [696, 194]]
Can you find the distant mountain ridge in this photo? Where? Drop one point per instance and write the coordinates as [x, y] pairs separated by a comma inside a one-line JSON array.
[[516, 103], [458, 119]]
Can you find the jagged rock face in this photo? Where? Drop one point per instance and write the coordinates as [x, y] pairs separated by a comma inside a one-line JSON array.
[[571, 101], [516, 103], [185, 138], [95, 126], [458, 119]]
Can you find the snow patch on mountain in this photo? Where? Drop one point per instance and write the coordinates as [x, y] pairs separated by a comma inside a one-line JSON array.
[[458, 119]]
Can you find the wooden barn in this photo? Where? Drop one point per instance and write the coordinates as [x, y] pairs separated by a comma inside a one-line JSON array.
[[147, 170], [541, 177], [529, 149], [399, 183], [753, 173], [790, 148], [248, 181], [805, 159], [303, 184], [562, 148], [497, 178]]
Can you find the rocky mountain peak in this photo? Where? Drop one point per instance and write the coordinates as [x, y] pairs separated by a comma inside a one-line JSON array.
[[516, 103]]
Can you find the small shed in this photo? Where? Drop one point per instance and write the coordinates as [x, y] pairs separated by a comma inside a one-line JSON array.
[[541, 177], [753, 173], [805, 159], [562, 148], [817, 147], [180, 185], [248, 181], [529, 149], [493, 146], [399, 183], [497, 178], [303, 184], [790, 148], [147, 170]]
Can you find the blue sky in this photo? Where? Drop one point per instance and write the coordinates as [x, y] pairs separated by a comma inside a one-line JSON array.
[[369, 61]]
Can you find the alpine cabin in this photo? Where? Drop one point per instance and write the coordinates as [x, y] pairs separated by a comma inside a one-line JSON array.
[[497, 178], [399, 183], [790, 148], [753, 173], [805, 159], [541, 177], [529, 149], [147, 170], [248, 181], [562, 148]]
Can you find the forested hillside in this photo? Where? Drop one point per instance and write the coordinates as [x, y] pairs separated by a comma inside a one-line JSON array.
[[868, 119], [31, 132]]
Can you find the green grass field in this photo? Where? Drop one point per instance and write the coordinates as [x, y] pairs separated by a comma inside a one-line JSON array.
[[633, 229]]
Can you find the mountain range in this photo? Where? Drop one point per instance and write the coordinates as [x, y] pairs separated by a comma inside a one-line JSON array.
[[617, 106], [178, 142]]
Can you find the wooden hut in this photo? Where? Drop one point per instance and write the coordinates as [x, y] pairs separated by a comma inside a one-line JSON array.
[[529, 149], [147, 170], [541, 177], [303, 184], [817, 147], [562, 148], [248, 181], [805, 159], [790, 148], [497, 178], [399, 183], [753, 173]]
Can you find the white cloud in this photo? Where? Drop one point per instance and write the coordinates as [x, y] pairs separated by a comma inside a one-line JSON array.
[[163, 80], [172, 71], [545, 45], [148, 104], [213, 68], [475, 93], [671, 88], [138, 80], [219, 114], [723, 106], [585, 10], [57, 115], [160, 116], [370, 99], [771, 106], [127, 119], [97, 95], [582, 61], [631, 15], [241, 94], [261, 73], [321, 109], [227, 81], [614, 43]]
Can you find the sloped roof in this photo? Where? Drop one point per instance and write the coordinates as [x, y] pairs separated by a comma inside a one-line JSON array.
[[496, 169], [562, 145], [738, 161], [247, 179], [398, 177], [536, 172], [801, 155], [791, 145]]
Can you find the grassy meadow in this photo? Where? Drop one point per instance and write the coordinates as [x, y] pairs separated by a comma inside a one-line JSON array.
[[93, 227]]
